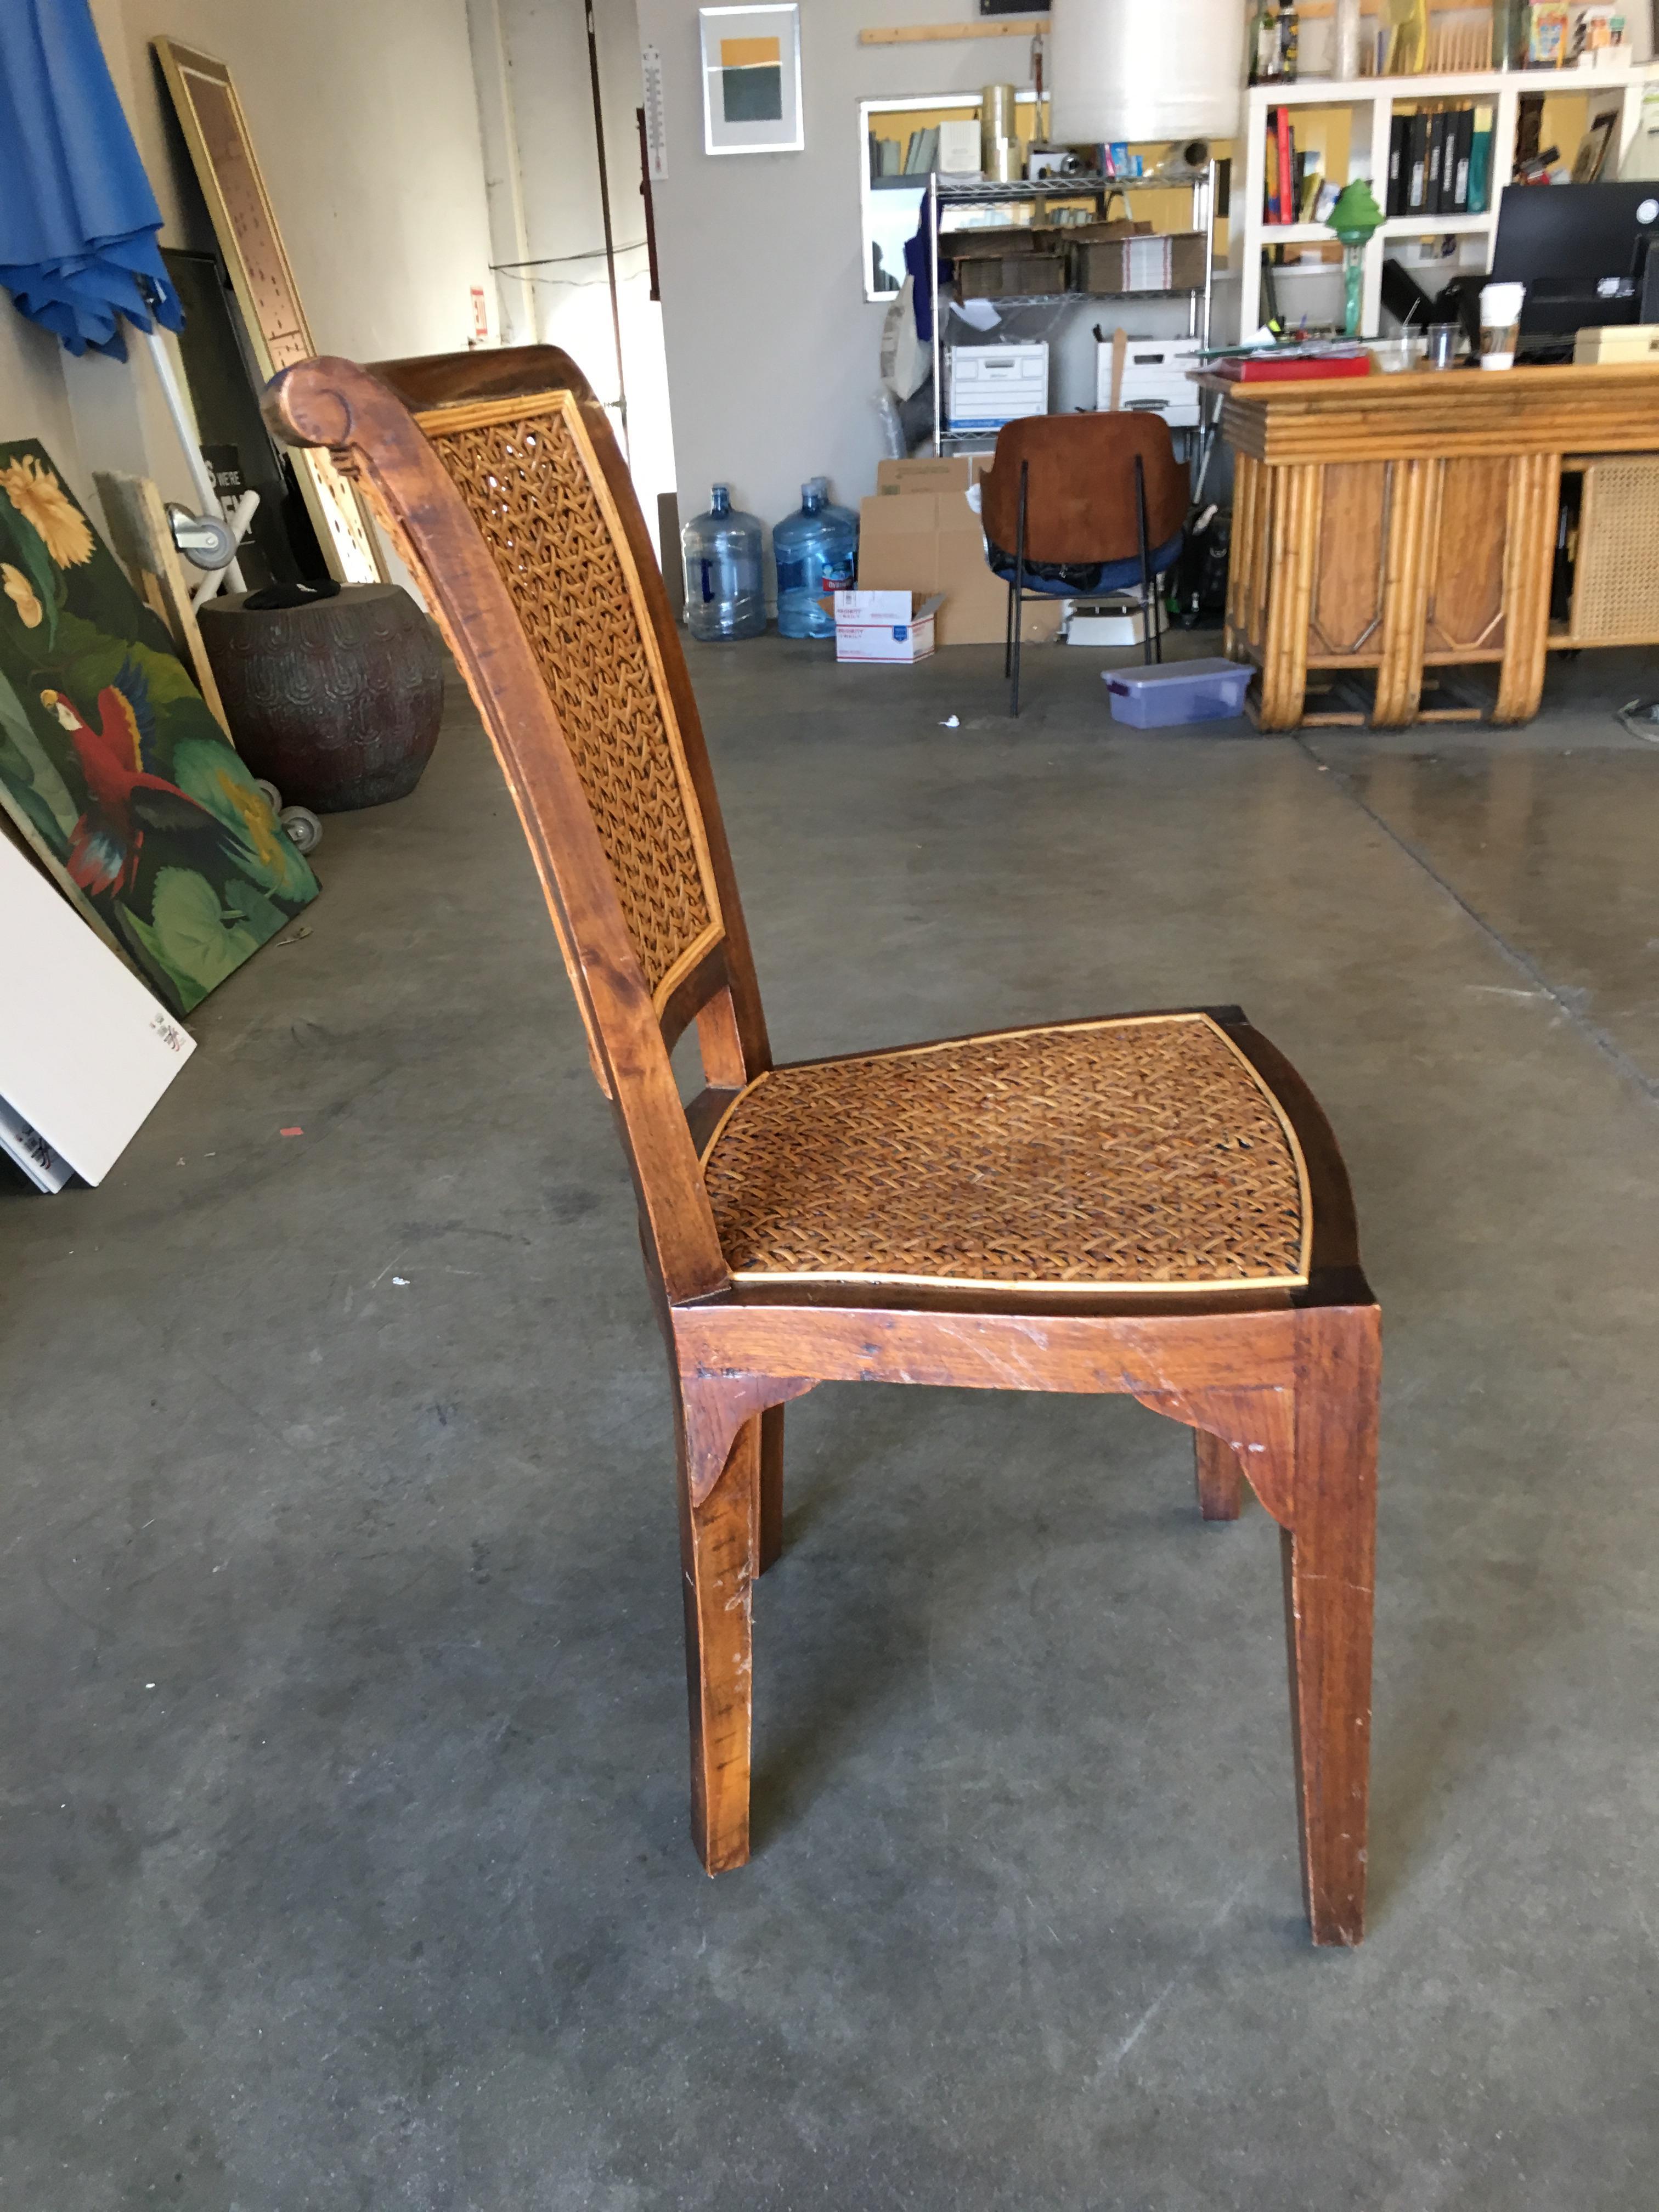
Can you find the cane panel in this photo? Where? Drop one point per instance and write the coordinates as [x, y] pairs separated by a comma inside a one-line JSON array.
[[1142, 1154], [527, 472]]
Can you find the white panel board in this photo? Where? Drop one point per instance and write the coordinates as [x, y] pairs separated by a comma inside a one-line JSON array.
[[85, 1050]]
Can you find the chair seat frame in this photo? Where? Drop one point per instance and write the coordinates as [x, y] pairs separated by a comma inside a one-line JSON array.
[[1279, 1386]]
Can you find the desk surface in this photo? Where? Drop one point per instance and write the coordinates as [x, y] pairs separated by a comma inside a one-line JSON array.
[[1602, 408]]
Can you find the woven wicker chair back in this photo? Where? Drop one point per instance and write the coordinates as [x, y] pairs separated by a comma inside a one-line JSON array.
[[529, 475]]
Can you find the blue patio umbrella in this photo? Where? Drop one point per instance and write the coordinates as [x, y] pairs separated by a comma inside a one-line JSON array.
[[77, 217]]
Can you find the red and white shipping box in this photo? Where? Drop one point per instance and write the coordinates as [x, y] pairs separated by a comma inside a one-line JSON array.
[[884, 626]]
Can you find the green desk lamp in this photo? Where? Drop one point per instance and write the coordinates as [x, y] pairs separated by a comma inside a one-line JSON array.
[[1354, 217]]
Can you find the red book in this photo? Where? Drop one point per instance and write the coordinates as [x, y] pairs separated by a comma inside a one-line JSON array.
[[1288, 368], [1287, 209]]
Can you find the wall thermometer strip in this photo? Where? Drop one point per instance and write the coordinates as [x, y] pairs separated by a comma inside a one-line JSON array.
[[656, 138]]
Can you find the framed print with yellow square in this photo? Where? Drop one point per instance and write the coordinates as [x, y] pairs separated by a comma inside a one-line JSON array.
[[751, 80]]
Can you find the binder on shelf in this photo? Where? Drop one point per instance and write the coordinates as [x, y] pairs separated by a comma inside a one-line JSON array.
[[1417, 164], [1480, 161], [1460, 161], [1432, 179], [1398, 134]]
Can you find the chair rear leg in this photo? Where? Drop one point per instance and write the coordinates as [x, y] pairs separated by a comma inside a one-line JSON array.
[[1145, 563], [1329, 1553], [1017, 610], [771, 1488], [1220, 1477], [719, 1543]]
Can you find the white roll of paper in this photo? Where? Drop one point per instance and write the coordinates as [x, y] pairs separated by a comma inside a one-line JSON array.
[[1144, 69]]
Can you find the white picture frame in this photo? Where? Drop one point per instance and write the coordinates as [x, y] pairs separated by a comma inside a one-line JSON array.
[[751, 89]]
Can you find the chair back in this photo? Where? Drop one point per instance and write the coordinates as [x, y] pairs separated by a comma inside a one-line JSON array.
[[1080, 502], [508, 499]]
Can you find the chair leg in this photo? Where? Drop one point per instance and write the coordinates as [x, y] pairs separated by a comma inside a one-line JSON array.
[[1220, 1477], [771, 1488], [1145, 563], [1008, 633], [1018, 609], [1329, 1553], [719, 1542]]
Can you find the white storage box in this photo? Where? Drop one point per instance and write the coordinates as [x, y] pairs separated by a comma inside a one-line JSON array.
[[1104, 622], [1155, 378], [884, 626], [986, 386]]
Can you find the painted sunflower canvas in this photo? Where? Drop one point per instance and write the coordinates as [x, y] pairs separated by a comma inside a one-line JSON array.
[[110, 764]]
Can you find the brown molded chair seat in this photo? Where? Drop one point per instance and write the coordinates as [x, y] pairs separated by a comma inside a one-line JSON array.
[[1140, 1154]]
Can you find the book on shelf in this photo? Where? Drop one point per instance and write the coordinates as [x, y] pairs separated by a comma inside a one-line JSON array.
[[1417, 164], [1462, 148], [1400, 131], [922, 152], [1480, 161]]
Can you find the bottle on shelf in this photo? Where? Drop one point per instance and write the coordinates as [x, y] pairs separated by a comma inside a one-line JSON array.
[[815, 548], [1265, 60], [1289, 41], [724, 594], [1345, 53]]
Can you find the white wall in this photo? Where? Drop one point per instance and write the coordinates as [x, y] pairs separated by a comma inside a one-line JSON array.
[[365, 122], [543, 44], [771, 343]]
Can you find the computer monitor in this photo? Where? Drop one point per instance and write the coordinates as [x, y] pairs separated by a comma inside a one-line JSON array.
[[1582, 252]]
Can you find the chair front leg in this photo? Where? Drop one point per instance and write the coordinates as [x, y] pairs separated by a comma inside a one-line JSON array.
[[1329, 1553], [771, 1488], [720, 1542], [1220, 1477]]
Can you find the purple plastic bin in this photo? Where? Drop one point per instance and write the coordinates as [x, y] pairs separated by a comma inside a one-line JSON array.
[[1178, 692]]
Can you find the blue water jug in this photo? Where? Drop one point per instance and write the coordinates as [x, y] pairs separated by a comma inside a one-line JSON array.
[[724, 593], [814, 549]]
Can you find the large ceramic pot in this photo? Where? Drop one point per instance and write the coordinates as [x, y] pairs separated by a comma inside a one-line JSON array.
[[337, 702]]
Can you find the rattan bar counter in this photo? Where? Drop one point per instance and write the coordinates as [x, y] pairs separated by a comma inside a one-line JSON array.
[[1408, 523]]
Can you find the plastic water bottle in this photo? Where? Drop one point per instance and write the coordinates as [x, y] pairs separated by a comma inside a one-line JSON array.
[[818, 546], [724, 595]]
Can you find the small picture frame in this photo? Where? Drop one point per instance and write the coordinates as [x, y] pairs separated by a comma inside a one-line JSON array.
[[1593, 149], [751, 99]]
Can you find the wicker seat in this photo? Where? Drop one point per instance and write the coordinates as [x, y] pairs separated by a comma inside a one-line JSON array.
[[1152, 1205], [1142, 1154]]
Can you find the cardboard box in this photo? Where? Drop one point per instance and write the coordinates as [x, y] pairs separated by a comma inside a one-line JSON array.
[[1171, 264], [1617, 341], [883, 626], [1009, 276], [1157, 378], [919, 534], [987, 385]]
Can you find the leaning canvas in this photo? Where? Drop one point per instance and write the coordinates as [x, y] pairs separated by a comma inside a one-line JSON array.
[[110, 764]]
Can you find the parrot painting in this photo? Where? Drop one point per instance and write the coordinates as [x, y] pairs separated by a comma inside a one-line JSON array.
[[125, 799]]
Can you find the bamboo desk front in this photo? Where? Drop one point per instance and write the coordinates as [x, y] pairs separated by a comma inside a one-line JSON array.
[[1400, 523]]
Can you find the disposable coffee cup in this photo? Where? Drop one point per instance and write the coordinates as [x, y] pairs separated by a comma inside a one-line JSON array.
[[1500, 324]]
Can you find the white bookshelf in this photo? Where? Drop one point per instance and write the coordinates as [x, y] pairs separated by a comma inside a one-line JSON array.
[[1250, 234]]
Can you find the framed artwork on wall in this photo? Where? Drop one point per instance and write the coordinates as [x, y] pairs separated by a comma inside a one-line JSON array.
[[752, 100]]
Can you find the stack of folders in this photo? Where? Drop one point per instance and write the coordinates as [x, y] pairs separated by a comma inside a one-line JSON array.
[[1440, 160], [921, 154]]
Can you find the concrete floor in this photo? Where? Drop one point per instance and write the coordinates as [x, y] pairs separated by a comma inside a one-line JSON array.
[[342, 1741]]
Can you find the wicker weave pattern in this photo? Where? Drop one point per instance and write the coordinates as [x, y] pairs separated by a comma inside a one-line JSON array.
[[525, 485], [1616, 580], [1112, 1154]]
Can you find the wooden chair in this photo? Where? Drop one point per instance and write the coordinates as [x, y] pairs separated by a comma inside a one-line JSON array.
[[1152, 1204], [1074, 505]]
